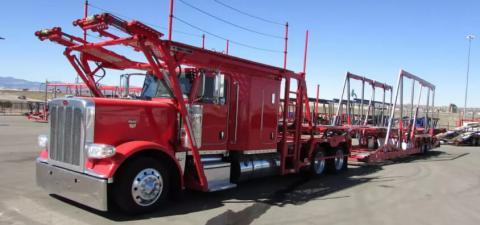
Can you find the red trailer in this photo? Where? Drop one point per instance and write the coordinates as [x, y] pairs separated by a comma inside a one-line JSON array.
[[40, 112], [403, 135], [366, 127], [204, 121]]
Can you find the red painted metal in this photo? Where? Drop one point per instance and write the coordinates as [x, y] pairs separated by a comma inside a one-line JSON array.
[[75, 89], [316, 103], [85, 14], [285, 51], [305, 52], [170, 21], [404, 141], [248, 119], [228, 44]]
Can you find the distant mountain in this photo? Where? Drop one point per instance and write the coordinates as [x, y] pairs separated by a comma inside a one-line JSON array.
[[15, 83]]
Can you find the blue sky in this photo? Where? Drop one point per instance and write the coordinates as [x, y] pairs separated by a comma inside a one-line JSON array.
[[374, 38]]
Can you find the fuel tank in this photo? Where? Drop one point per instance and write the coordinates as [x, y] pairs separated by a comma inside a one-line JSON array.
[[251, 166]]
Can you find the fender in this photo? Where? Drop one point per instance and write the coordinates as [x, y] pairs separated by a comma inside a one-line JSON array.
[[107, 167], [337, 140]]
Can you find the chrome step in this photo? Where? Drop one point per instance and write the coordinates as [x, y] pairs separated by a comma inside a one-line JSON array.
[[218, 175]]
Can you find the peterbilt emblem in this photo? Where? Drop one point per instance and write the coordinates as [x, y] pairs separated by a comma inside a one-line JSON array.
[[65, 102], [132, 123]]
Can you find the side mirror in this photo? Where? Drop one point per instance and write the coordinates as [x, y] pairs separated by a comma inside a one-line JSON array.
[[124, 85], [219, 89]]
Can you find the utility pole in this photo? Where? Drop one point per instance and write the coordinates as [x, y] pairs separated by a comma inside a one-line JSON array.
[[470, 38]]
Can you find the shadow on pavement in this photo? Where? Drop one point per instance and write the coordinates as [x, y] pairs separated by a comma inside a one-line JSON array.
[[264, 193], [434, 155]]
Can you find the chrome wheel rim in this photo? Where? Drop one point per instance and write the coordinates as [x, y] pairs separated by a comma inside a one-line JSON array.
[[147, 187], [339, 161], [319, 163]]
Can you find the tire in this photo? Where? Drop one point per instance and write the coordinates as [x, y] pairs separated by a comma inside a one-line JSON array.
[[475, 142], [318, 165], [141, 186], [339, 163], [425, 149]]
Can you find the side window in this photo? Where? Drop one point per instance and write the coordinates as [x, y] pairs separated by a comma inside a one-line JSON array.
[[213, 89], [150, 86], [186, 80]]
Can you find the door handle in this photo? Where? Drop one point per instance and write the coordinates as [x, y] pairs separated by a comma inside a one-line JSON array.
[[221, 135]]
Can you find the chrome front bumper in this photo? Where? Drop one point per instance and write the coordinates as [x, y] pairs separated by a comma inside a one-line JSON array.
[[81, 188]]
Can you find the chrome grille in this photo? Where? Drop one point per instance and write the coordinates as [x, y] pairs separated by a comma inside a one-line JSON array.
[[70, 122]]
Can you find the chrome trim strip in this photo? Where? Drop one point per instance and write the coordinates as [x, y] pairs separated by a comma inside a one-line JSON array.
[[225, 152], [90, 123], [261, 113], [210, 152], [94, 174], [87, 107], [237, 87], [42, 160], [182, 159], [259, 151]]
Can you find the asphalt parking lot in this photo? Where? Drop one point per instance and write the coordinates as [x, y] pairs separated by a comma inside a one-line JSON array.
[[440, 188]]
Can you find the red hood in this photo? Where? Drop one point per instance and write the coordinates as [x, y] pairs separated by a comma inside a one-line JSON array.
[[121, 120]]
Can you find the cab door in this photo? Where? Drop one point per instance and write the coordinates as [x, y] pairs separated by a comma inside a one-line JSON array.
[[212, 96]]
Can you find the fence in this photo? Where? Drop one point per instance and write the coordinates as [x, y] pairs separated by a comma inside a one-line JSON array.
[[18, 108]]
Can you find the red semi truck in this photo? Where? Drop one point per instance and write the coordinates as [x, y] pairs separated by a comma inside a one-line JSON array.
[[204, 121]]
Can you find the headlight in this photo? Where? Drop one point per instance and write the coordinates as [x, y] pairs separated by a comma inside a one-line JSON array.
[[42, 141], [100, 151]]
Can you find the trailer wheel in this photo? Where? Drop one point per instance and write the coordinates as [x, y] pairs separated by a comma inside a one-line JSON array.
[[339, 163], [318, 164], [428, 147], [141, 186]]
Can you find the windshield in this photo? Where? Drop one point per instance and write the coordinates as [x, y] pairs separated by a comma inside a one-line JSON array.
[[153, 87]]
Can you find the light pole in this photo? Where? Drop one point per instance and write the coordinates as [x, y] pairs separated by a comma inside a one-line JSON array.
[[470, 37]]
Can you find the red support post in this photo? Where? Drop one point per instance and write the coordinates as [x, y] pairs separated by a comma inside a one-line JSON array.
[[316, 104], [286, 47], [305, 53], [170, 20], [228, 43], [85, 15]]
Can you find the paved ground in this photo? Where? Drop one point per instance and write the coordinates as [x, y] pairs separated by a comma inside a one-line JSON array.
[[441, 188]]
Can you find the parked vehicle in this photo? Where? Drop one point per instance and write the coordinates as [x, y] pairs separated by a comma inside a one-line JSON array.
[[204, 120], [464, 135], [468, 138]]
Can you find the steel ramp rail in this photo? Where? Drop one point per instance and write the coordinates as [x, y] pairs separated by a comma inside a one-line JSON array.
[[371, 103], [404, 141]]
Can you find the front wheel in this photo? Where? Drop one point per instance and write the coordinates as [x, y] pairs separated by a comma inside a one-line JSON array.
[[141, 186]]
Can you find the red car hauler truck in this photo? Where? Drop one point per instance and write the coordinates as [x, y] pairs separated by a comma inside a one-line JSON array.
[[204, 121]]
